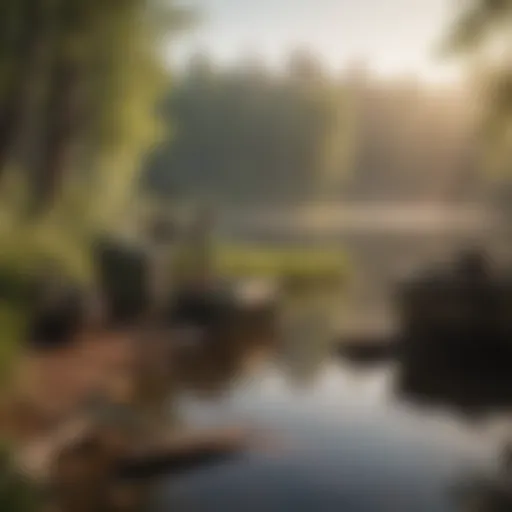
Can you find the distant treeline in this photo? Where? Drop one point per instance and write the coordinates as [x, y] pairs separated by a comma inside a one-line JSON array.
[[246, 133]]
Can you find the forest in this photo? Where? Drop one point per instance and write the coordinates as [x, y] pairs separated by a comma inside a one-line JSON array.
[[248, 134]]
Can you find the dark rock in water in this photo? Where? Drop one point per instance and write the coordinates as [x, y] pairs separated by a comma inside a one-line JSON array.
[[466, 305], [456, 346]]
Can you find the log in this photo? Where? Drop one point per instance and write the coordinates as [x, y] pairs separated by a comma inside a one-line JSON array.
[[182, 455]]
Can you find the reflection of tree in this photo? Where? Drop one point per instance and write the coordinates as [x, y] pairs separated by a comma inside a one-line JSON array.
[[469, 391], [306, 334], [456, 348], [481, 494], [212, 365], [482, 32], [303, 367]]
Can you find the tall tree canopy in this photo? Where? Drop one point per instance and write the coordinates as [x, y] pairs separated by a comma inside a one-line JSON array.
[[79, 82], [78, 79], [482, 31]]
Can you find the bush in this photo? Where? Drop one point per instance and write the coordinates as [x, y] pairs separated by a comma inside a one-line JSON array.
[[308, 264]]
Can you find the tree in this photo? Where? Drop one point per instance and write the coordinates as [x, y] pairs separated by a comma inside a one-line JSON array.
[[482, 31], [78, 81]]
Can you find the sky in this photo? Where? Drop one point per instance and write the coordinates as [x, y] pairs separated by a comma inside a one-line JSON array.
[[393, 37]]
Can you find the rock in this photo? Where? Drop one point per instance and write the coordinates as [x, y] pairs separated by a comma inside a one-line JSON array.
[[55, 322]]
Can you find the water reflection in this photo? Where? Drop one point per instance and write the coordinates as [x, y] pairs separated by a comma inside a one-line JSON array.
[[344, 438]]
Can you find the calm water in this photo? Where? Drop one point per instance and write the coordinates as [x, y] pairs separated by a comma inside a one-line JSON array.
[[342, 441]]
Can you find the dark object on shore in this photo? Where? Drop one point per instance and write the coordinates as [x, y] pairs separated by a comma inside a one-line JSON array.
[[59, 310], [55, 308], [122, 273], [56, 318]]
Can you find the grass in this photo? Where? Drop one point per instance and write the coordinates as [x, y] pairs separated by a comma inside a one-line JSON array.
[[237, 260], [234, 260]]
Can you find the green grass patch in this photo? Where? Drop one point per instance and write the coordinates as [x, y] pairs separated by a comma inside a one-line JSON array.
[[236, 260]]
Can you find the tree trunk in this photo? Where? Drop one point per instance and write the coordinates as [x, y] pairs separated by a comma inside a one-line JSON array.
[[64, 112], [26, 52], [59, 135]]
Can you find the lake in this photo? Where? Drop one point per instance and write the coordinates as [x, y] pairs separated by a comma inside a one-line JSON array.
[[340, 440]]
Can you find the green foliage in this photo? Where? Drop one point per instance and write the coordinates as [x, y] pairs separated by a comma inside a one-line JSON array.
[[29, 250], [255, 261], [482, 32], [479, 23], [59, 239], [126, 77], [78, 85]]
